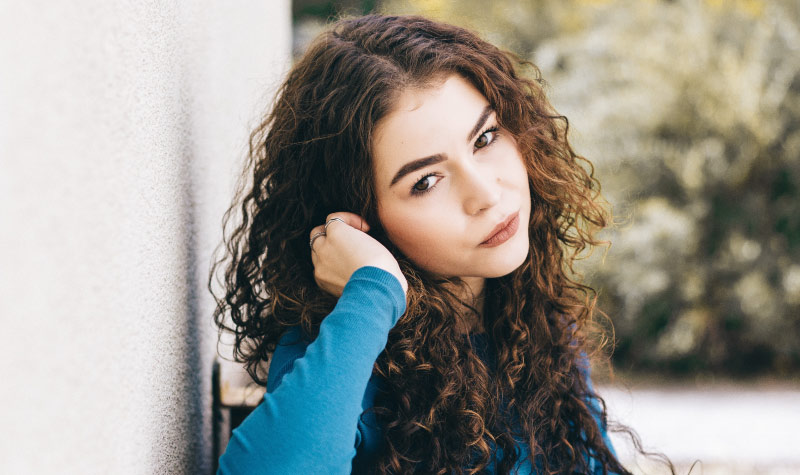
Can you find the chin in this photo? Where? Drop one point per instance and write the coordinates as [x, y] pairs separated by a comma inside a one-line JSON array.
[[508, 262], [505, 270]]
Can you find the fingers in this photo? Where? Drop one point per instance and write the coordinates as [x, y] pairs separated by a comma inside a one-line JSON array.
[[351, 219], [343, 217], [338, 249], [318, 232]]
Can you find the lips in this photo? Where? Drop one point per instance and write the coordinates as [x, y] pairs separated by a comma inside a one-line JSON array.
[[502, 232]]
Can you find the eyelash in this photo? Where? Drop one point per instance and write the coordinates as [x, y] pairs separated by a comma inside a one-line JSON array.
[[494, 130], [416, 192]]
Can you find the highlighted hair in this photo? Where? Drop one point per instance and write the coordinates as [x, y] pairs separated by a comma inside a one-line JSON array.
[[445, 410]]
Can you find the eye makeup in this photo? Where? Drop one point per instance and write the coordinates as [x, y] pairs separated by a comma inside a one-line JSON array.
[[416, 191]]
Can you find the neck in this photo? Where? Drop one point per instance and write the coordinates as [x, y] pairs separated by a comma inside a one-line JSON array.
[[473, 294]]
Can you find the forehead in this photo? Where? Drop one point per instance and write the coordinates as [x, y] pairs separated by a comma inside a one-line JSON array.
[[425, 121]]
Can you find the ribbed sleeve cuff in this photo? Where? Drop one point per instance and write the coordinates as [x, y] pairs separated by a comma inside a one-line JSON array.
[[373, 281]]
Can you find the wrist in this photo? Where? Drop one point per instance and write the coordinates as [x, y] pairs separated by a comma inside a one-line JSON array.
[[379, 278]]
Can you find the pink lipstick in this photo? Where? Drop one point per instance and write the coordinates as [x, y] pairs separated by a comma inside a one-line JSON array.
[[502, 232]]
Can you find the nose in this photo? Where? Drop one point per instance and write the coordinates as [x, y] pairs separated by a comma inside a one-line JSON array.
[[481, 189]]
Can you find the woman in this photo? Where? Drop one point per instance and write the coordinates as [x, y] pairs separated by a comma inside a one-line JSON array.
[[404, 263]]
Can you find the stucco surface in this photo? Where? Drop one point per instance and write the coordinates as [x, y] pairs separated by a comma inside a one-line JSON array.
[[121, 127]]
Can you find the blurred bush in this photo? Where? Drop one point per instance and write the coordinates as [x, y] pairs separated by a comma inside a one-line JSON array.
[[690, 110]]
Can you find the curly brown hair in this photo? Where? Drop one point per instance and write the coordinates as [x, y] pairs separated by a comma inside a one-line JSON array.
[[445, 410]]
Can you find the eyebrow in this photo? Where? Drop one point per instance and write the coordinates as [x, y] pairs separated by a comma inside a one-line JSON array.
[[481, 120], [415, 165]]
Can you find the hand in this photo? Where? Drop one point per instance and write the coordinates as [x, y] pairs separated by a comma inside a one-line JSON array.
[[344, 248]]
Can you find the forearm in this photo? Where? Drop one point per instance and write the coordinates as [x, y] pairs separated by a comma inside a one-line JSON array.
[[309, 421]]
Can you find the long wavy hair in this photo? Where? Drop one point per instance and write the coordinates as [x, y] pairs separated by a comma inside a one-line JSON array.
[[444, 409]]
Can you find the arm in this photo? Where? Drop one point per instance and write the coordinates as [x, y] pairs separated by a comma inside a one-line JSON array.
[[310, 419]]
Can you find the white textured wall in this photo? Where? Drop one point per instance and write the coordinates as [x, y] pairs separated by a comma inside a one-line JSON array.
[[121, 126]]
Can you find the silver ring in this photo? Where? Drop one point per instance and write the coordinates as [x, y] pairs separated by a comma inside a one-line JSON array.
[[315, 236], [332, 220]]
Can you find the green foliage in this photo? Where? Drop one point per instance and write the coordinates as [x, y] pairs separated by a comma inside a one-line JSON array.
[[327, 9], [691, 112]]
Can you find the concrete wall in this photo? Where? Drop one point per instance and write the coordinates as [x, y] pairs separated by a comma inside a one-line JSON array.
[[122, 125]]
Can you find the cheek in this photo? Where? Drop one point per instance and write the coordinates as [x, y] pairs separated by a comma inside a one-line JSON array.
[[515, 161], [516, 173], [415, 234], [403, 229]]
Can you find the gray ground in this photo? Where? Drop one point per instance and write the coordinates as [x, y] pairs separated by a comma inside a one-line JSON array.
[[731, 430]]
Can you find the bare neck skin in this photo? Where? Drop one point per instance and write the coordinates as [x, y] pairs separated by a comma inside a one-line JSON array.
[[475, 294]]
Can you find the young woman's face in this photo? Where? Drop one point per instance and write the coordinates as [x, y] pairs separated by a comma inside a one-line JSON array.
[[451, 187]]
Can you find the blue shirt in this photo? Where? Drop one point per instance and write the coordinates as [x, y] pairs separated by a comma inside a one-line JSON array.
[[312, 418]]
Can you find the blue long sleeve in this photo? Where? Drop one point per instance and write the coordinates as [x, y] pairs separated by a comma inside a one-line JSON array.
[[310, 419]]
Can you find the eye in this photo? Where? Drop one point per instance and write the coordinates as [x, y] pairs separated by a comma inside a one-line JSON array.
[[425, 184], [486, 138]]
